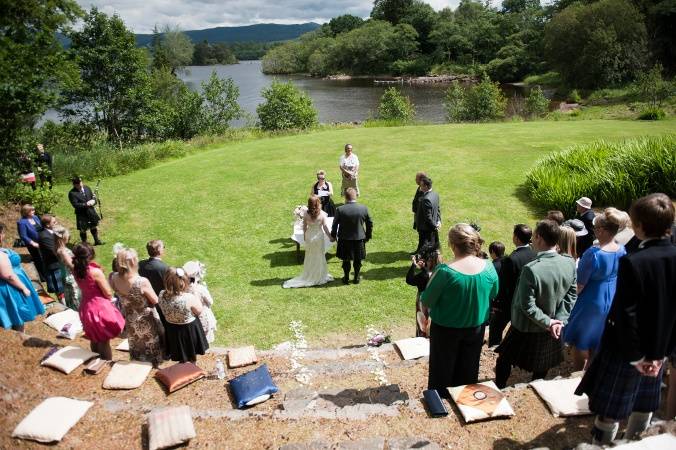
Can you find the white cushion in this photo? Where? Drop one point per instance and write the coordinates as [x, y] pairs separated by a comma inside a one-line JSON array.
[[660, 442], [413, 348], [58, 320], [242, 356], [68, 358], [170, 426], [123, 346], [127, 375], [51, 419], [480, 401], [257, 400], [559, 395]]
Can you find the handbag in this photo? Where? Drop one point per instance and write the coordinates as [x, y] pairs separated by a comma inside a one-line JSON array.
[[18, 242]]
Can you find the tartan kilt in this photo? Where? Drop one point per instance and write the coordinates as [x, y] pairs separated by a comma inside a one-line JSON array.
[[532, 352], [351, 250], [88, 219], [615, 388]]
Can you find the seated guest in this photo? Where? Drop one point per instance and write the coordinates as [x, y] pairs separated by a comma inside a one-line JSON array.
[[196, 271], [71, 292], [50, 260], [100, 319], [137, 298], [624, 377], [324, 190], [556, 216], [29, 226], [154, 268], [496, 250], [544, 297], [568, 242], [426, 262], [458, 295], [596, 279], [184, 335], [19, 303]]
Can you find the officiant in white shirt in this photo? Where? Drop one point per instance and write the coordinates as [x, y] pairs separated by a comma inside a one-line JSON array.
[[349, 168]]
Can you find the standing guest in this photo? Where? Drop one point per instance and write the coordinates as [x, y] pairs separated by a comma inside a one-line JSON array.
[[625, 232], [624, 377], [458, 295], [416, 199], [581, 235], [349, 169], [138, 299], [50, 260], [183, 331], [428, 215], [19, 303], [71, 291], [29, 226], [83, 200], [324, 190], [568, 242], [496, 251], [596, 282], [509, 275], [428, 259], [44, 165], [154, 268], [101, 321], [353, 227], [26, 168], [544, 297], [196, 271], [583, 206], [556, 216]]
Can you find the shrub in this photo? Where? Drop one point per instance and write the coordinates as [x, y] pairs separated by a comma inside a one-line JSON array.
[[611, 173], [652, 113], [482, 102], [652, 88], [574, 96], [394, 106], [43, 199], [537, 104], [286, 107], [220, 103]]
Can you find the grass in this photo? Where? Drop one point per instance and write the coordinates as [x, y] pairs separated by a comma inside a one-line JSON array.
[[231, 207], [546, 79]]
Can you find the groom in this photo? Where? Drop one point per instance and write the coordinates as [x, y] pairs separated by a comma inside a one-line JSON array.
[[352, 225]]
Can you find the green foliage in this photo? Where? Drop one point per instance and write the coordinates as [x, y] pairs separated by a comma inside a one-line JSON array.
[[43, 199], [68, 137], [477, 103], [574, 96], [207, 54], [652, 113], [344, 23], [286, 107], [417, 67], [392, 11], [171, 49], [394, 106], [545, 79], [652, 88], [246, 51], [220, 103], [612, 173], [537, 104]]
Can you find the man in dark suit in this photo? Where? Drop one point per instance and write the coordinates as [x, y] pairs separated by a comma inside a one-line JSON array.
[[50, 262], [508, 278], [416, 197], [154, 268], [624, 377], [428, 216], [584, 211], [83, 200], [352, 226]]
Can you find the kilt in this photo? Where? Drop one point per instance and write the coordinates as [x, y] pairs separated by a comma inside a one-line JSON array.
[[533, 352], [351, 250], [88, 219], [615, 388]]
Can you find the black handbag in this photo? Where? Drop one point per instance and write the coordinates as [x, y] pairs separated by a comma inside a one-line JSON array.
[[18, 242]]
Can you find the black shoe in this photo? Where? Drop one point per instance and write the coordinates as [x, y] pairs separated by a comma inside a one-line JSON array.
[[99, 242], [346, 280], [356, 280]]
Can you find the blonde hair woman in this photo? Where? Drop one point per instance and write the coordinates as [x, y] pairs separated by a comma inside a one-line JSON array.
[[71, 291], [458, 295], [324, 190], [138, 300], [567, 242]]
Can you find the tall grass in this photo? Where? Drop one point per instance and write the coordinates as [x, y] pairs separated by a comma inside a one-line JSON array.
[[610, 173]]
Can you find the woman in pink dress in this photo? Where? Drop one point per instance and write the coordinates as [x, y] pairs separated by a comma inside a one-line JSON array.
[[100, 319]]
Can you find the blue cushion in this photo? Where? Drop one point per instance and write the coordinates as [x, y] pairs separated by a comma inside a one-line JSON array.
[[251, 385]]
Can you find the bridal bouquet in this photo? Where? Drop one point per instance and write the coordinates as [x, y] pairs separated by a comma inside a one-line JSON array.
[[298, 212]]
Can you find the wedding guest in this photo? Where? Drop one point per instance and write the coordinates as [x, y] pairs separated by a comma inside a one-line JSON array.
[[416, 199], [428, 215], [100, 319], [50, 261], [19, 303], [581, 236], [544, 297], [510, 271], [154, 268], [324, 190], [556, 216], [568, 242], [29, 227], [44, 165], [624, 377], [137, 298], [349, 169], [184, 335], [625, 232], [71, 291], [429, 258], [496, 251], [196, 271], [583, 206], [83, 201], [458, 295], [596, 282]]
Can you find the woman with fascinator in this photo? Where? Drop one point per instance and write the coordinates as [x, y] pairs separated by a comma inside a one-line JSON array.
[[196, 271]]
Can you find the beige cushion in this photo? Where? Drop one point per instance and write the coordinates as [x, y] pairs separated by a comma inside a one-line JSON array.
[[170, 426], [413, 348], [68, 358], [480, 401], [127, 375], [559, 395], [123, 346], [243, 356], [58, 320], [51, 419]]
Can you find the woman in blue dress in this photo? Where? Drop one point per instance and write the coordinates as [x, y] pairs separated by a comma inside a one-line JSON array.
[[596, 281], [19, 303]]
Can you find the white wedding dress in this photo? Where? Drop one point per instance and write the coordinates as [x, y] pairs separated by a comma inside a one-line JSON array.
[[315, 268]]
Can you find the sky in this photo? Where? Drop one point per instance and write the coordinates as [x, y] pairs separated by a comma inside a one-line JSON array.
[[142, 16]]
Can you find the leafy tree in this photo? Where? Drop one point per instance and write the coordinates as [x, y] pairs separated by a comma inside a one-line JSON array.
[[344, 23], [392, 11], [286, 107], [171, 49], [175, 112], [32, 69], [223, 54], [394, 106], [482, 102], [652, 88], [455, 103], [537, 104], [220, 103], [422, 17]]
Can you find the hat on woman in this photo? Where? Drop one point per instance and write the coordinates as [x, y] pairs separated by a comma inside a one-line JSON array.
[[577, 226], [585, 202], [195, 269]]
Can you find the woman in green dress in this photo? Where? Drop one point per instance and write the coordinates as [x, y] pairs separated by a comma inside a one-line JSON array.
[[71, 291]]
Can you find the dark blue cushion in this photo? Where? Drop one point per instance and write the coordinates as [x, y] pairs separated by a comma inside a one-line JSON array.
[[251, 385]]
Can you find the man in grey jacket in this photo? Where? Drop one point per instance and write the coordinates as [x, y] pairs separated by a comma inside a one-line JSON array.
[[428, 215], [352, 226]]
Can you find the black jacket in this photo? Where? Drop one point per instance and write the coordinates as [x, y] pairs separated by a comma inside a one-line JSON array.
[[153, 269], [352, 223], [414, 205], [47, 242], [509, 277], [85, 216], [584, 242], [428, 213]]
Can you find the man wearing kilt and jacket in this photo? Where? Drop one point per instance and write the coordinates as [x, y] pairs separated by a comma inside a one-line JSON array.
[[624, 377], [83, 200]]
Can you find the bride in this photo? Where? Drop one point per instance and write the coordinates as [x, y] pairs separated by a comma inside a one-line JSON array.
[[315, 228]]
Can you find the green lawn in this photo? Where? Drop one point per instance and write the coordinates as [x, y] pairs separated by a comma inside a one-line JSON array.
[[231, 208]]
